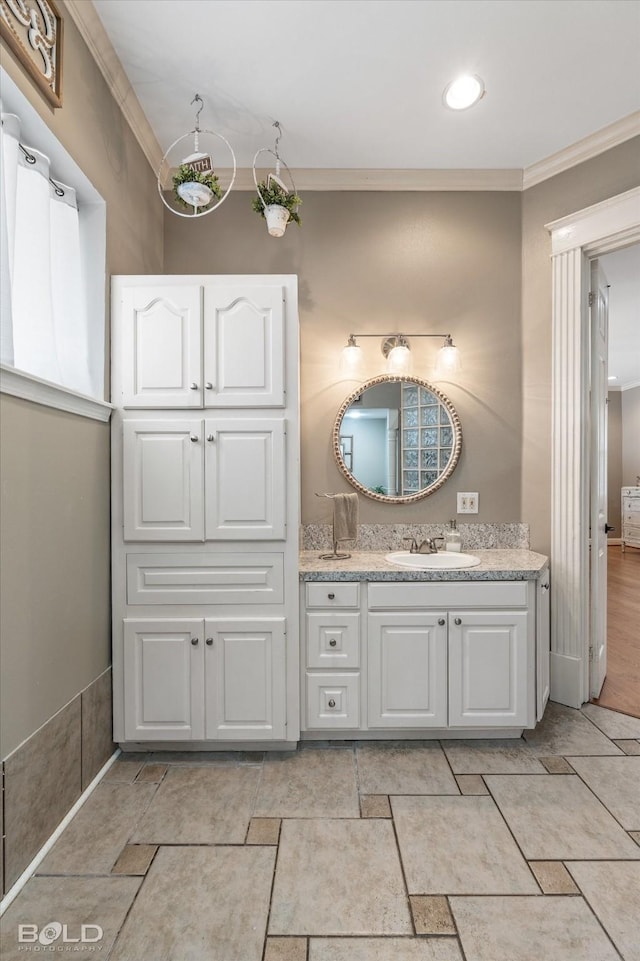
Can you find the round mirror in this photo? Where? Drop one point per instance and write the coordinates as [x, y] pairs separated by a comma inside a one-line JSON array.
[[397, 440]]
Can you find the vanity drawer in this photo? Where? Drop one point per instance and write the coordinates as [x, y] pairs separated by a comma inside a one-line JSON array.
[[329, 594], [333, 701], [209, 578], [333, 640], [441, 594]]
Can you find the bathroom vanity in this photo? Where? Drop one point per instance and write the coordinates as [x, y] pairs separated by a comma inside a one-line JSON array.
[[391, 652]]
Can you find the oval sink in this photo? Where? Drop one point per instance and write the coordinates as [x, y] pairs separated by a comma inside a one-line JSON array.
[[442, 561]]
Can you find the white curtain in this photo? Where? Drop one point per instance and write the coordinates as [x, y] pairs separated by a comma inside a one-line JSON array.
[[44, 320]]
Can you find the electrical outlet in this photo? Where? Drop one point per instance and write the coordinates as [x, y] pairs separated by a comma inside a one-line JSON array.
[[467, 503]]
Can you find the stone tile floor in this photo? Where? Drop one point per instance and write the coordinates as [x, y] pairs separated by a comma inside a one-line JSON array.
[[486, 850]]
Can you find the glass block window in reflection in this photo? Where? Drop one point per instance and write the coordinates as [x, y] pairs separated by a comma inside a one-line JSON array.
[[446, 437], [410, 438], [429, 437], [409, 396], [426, 397], [410, 416], [444, 415], [445, 454], [428, 477], [428, 458], [410, 458], [410, 480], [429, 416]]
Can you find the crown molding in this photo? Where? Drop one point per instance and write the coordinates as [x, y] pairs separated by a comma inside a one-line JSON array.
[[311, 178], [631, 385], [596, 143], [86, 19]]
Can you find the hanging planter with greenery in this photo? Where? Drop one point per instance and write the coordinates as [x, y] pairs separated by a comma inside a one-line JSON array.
[[195, 188], [271, 195]]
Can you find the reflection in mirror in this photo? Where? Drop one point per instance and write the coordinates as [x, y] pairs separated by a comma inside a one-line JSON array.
[[397, 440]]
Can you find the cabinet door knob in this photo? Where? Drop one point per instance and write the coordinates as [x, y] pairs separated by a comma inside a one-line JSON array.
[[332, 703], [208, 385], [332, 642], [194, 641], [193, 386], [458, 620], [545, 587], [441, 621], [209, 641], [194, 438], [331, 596], [211, 438]]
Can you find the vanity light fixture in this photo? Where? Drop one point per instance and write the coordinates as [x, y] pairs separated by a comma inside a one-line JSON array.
[[463, 92], [397, 350]]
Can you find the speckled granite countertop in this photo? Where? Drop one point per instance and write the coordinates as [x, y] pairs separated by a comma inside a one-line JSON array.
[[495, 565]]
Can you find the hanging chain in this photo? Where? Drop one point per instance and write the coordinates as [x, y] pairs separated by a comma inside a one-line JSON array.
[[197, 99], [276, 124]]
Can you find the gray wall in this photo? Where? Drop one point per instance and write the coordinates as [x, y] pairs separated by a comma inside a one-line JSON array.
[[611, 173], [630, 436], [428, 262], [614, 461], [54, 540]]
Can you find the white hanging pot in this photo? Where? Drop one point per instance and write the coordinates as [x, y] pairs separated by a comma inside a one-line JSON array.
[[277, 218]]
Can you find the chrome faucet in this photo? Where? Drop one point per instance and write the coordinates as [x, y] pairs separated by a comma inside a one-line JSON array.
[[427, 546]]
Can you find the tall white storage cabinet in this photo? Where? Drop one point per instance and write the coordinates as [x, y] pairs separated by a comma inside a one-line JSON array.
[[205, 510]]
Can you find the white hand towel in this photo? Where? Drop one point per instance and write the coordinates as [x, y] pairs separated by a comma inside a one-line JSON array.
[[345, 517]]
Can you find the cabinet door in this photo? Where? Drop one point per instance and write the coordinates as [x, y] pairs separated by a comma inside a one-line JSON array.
[[245, 679], [161, 341], [245, 490], [162, 467], [488, 668], [243, 346], [407, 674], [163, 688], [543, 644]]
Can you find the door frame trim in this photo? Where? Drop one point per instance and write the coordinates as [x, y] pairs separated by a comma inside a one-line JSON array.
[[575, 240]]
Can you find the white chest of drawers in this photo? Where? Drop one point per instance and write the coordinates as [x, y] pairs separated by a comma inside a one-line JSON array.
[[630, 510]]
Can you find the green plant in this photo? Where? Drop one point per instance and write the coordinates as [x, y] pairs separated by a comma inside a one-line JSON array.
[[275, 195], [186, 174]]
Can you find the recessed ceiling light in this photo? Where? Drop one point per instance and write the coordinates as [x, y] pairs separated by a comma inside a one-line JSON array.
[[463, 92], [612, 377]]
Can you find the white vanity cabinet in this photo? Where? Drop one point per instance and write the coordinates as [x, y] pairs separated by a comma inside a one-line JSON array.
[[201, 344], [205, 511], [432, 656], [194, 679]]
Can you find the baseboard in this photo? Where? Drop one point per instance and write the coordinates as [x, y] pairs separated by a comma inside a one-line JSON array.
[[15, 889], [566, 679]]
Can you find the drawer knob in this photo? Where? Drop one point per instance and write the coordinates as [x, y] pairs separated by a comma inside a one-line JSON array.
[[209, 641], [545, 587], [208, 385], [458, 621], [211, 438], [331, 596], [332, 703], [194, 438], [193, 386], [194, 641], [441, 621], [332, 642]]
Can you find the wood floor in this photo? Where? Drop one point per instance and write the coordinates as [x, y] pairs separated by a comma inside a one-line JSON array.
[[621, 689]]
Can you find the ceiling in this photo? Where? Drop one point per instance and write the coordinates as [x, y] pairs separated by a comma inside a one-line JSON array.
[[358, 83]]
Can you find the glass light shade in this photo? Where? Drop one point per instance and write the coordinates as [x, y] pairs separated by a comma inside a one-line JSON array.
[[399, 360], [463, 92], [351, 359], [448, 361]]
